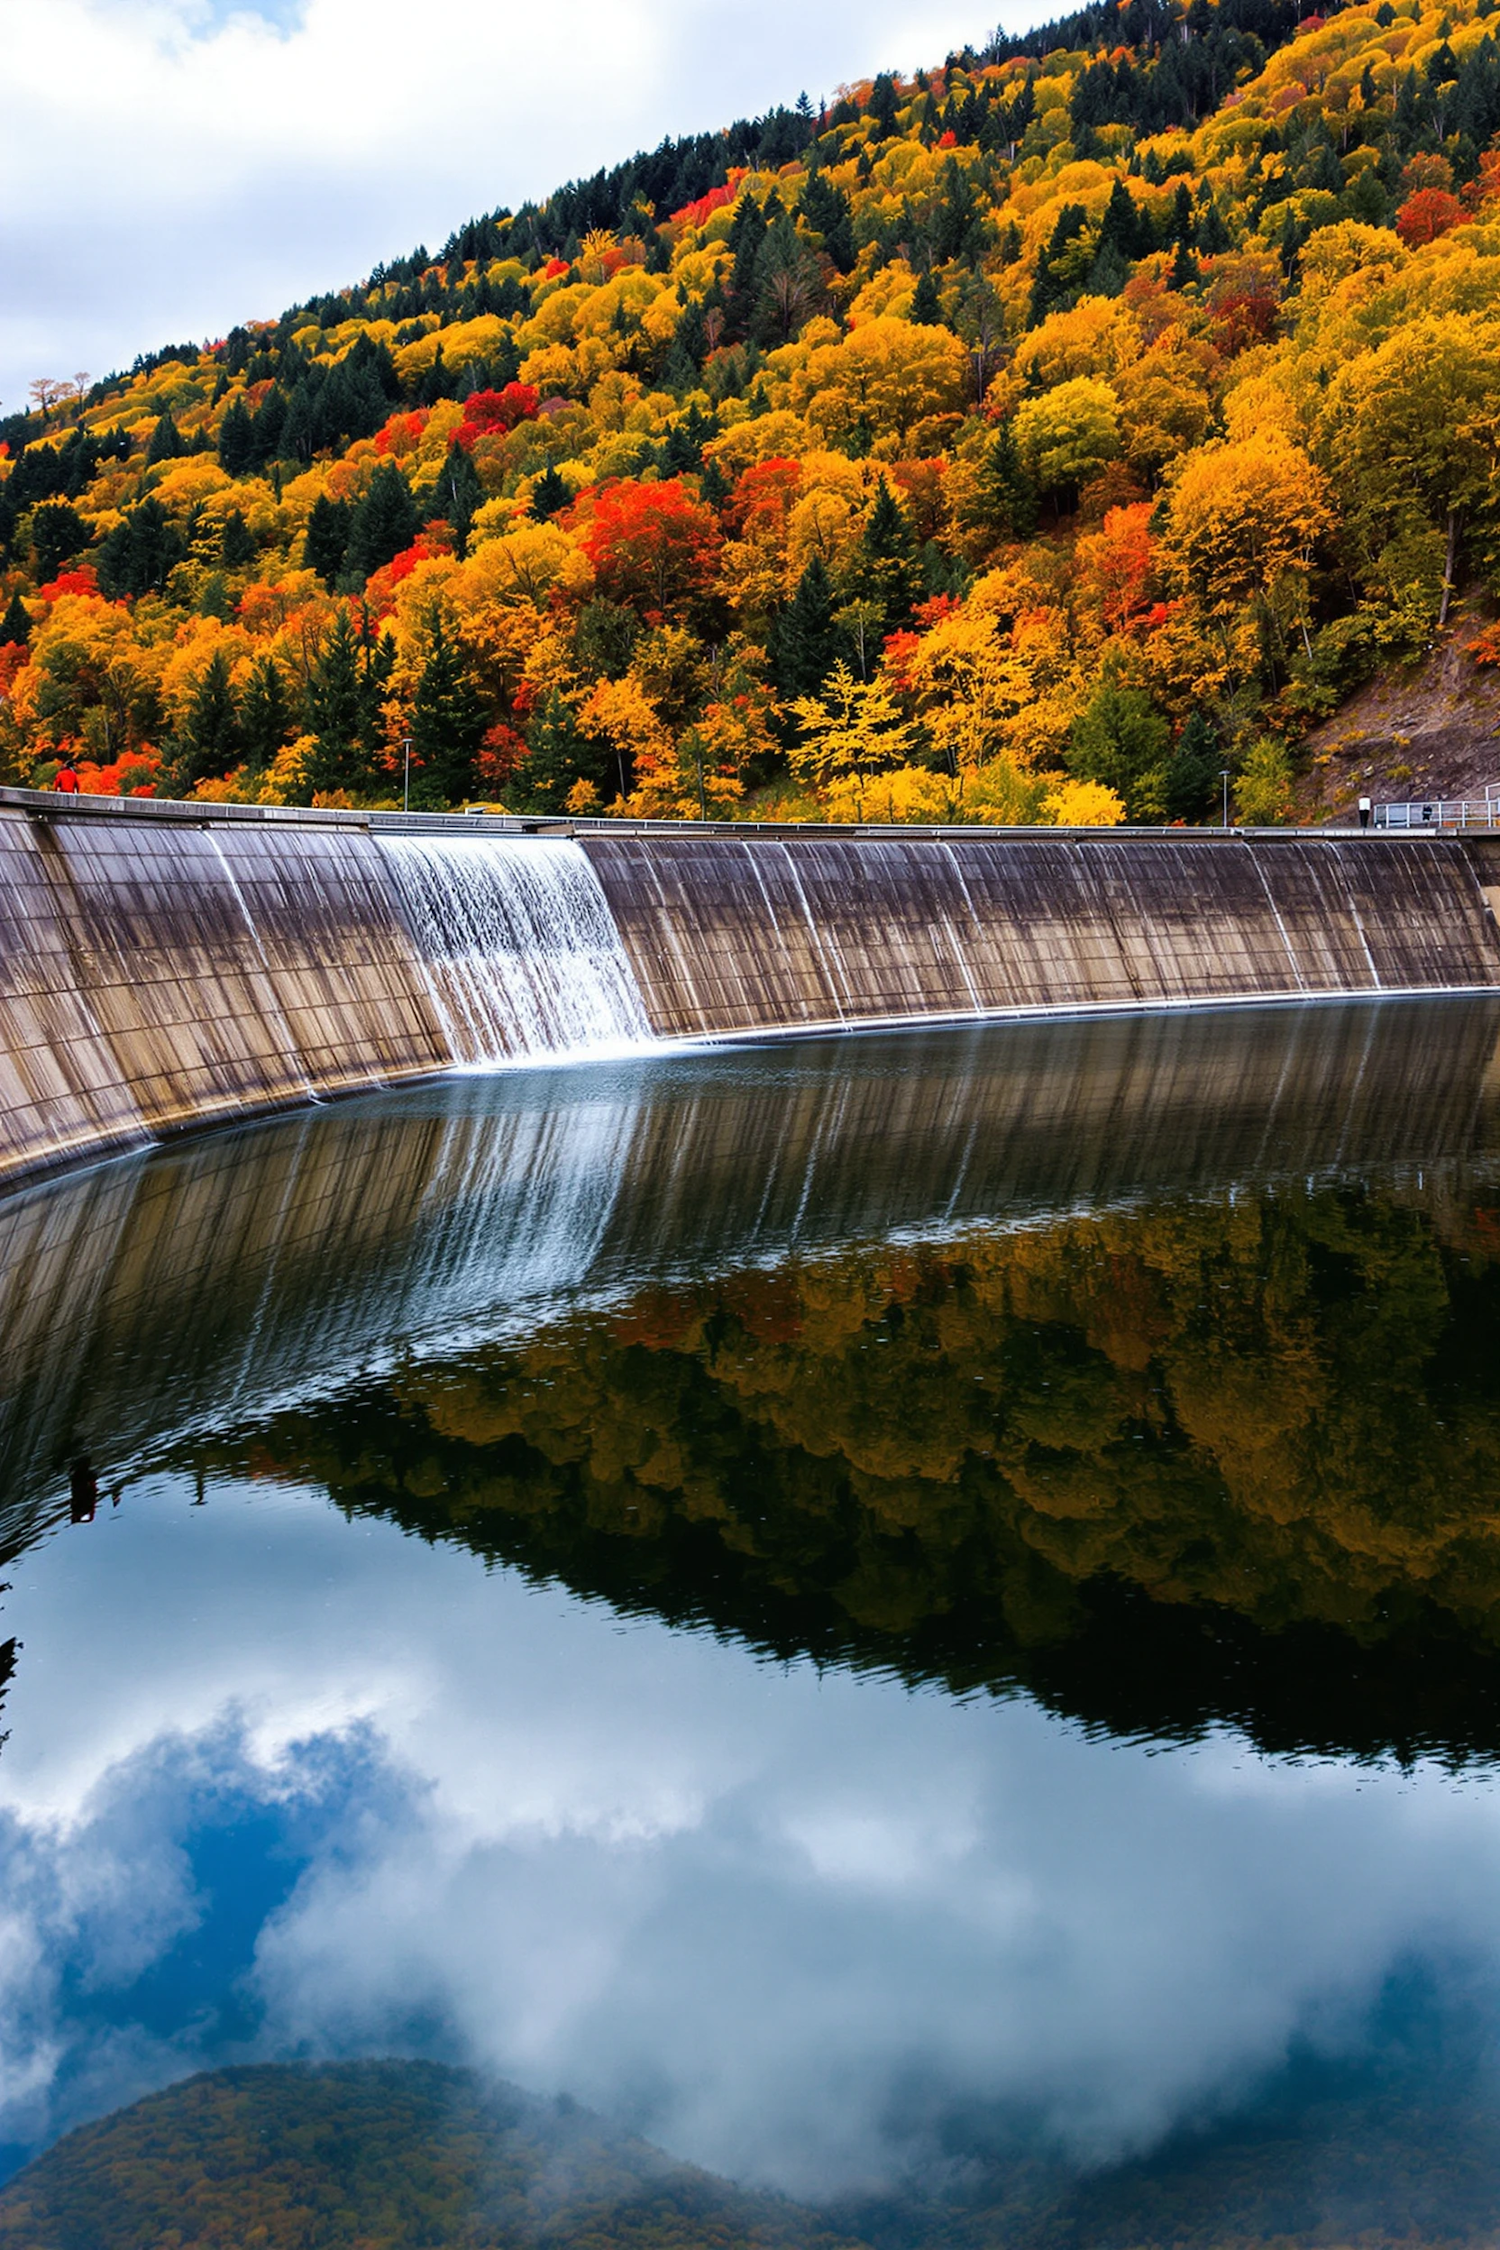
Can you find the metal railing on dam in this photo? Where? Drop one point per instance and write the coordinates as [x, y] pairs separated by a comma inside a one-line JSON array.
[[167, 965]]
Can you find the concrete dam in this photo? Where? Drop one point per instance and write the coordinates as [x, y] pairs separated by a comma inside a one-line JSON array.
[[165, 966]]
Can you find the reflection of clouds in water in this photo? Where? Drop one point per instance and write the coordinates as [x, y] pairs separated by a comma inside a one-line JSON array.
[[409, 1803]]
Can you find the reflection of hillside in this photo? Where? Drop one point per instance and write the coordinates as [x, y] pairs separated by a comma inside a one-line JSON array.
[[1232, 1455], [1281, 1408]]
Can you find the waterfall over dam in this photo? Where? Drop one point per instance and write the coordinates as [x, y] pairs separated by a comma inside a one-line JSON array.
[[164, 966]]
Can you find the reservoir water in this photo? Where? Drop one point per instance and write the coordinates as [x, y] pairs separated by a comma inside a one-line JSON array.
[[915, 1617]]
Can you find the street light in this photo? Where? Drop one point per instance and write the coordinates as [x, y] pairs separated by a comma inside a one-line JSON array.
[[1224, 777], [406, 773]]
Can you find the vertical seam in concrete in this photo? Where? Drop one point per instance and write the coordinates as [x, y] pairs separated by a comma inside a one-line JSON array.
[[1355, 915], [1296, 966], [1488, 920], [58, 877], [1093, 881], [817, 941], [274, 1008]]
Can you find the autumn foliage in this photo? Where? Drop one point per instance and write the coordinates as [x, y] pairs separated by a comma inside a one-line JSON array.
[[1035, 439]]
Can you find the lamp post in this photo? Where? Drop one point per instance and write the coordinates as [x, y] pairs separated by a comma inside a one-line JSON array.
[[1224, 777], [406, 773]]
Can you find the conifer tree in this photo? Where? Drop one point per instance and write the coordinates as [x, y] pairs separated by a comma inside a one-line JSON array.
[[886, 571], [58, 532], [384, 524], [1007, 496], [926, 304], [549, 493], [806, 643], [460, 493], [327, 538], [883, 106], [238, 449], [1191, 780], [237, 546], [335, 710], [206, 743], [447, 721], [15, 626], [267, 718], [166, 441], [713, 486], [556, 756]]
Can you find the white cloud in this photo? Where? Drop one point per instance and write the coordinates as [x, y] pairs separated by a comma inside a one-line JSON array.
[[168, 169], [746, 1906]]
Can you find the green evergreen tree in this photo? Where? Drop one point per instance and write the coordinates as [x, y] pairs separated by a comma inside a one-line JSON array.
[[166, 441], [58, 533], [1050, 290], [883, 106], [1122, 740], [237, 548], [713, 485], [886, 568], [1184, 269], [549, 493], [326, 540], [139, 555], [926, 304], [268, 720], [335, 711], [238, 449], [1190, 783], [958, 227], [459, 493], [384, 524], [205, 745], [15, 626], [805, 642], [556, 756], [447, 721], [825, 208]]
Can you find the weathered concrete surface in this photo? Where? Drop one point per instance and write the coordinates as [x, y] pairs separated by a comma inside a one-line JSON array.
[[163, 966], [739, 936], [154, 977]]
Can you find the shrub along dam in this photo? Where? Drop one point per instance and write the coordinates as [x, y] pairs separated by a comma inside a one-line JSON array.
[[164, 966]]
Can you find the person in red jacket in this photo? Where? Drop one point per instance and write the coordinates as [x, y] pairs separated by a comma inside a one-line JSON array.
[[66, 780]]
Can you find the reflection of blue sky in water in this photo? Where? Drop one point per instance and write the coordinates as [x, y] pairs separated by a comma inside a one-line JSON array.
[[280, 1784]]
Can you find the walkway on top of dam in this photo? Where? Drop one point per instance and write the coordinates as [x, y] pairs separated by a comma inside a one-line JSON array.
[[487, 821]]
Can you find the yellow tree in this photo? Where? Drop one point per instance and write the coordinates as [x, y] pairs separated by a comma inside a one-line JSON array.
[[1413, 433], [885, 375], [852, 730], [1243, 522]]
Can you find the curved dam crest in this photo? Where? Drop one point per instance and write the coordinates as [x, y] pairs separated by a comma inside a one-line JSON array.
[[164, 967]]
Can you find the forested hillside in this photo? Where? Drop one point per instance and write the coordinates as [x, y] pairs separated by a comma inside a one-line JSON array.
[[1033, 440], [377, 2156], [402, 2155]]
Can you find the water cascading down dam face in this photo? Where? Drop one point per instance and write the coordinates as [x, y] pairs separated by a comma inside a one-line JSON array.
[[520, 949]]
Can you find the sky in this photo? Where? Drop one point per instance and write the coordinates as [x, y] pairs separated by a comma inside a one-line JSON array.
[[354, 1794], [170, 167]]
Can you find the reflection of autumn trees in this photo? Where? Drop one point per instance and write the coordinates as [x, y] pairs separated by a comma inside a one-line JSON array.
[[1280, 1409]]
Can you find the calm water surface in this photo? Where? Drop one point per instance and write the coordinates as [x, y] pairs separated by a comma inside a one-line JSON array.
[[880, 1609]]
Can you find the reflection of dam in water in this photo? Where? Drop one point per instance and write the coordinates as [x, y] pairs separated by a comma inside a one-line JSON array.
[[270, 1264], [165, 966]]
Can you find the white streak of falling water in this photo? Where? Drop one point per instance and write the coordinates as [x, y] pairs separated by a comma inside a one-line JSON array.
[[520, 947]]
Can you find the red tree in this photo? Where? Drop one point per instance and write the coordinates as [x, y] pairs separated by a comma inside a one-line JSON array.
[[1427, 214], [653, 546], [489, 412]]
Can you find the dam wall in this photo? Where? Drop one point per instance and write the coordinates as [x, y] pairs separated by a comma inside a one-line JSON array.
[[167, 966]]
